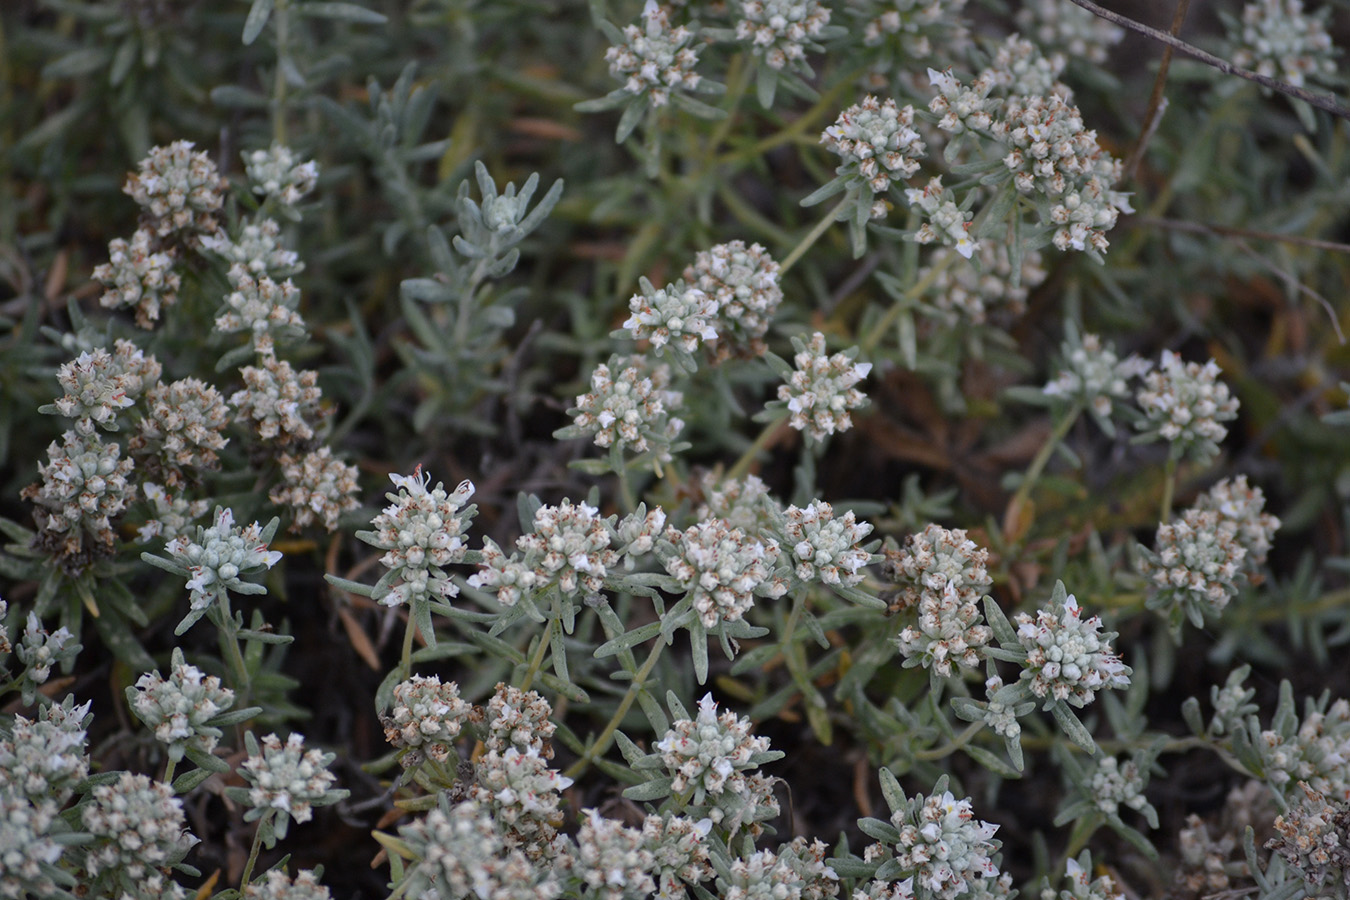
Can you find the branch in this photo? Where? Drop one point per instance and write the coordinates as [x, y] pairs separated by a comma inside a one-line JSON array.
[[1157, 103], [1321, 101]]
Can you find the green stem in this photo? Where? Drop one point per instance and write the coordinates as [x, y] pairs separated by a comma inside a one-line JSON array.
[[279, 86], [738, 79], [812, 236], [537, 660], [229, 645], [742, 465], [1042, 458], [885, 322], [405, 658], [601, 744], [253, 854], [168, 771], [626, 495], [953, 745], [1169, 489]]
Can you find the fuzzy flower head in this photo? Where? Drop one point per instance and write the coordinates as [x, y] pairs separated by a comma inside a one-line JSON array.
[[519, 719], [1196, 565], [1113, 784], [1184, 404], [98, 385], [524, 796], [945, 221], [138, 276], [796, 871], [781, 31], [654, 58], [217, 558], [280, 405], [1069, 658], [427, 717], [1020, 69], [1094, 377], [679, 853], [722, 569], [1313, 838], [27, 852], [261, 308], [677, 316], [1312, 748], [460, 853], [181, 430], [39, 650], [942, 846], [823, 388], [613, 860], [1244, 505], [743, 282], [963, 293], [636, 534], [1279, 40], [823, 548], [257, 248], [286, 778], [745, 503], [421, 531], [942, 575], [629, 406], [899, 32], [180, 191], [138, 827], [960, 106], [83, 488], [317, 486], [278, 173], [1075, 32], [44, 759], [876, 143], [172, 514], [178, 709], [1082, 886], [277, 885]]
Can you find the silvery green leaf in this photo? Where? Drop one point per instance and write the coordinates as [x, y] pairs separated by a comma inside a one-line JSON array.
[[652, 790], [346, 12], [1072, 727], [258, 14]]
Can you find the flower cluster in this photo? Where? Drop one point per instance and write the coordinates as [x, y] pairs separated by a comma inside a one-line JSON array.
[[172, 516], [1279, 40], [421, 532], [743, 282], [823, 388], [1311, 749], [629, 405], [654, 58], [44, 759], [277, 172], [912, 25], [723, 569], [524, 797], [1082, 886], [781, 31], [217, 558], [877, 144], [281, 404], [1021, 69], [568, 547], [27, 851], [427, 717], [824, 548], [178, 709], [139, 277], [637, 533], [317, 486], [1184, 404], [1114, 784], [1093, 376], [460, 853], [260, 307], [964, 293], [520, 719], [83, 487], [678, 315], [138, 827], [942, 846], [276, 885], [181, 429], [286, 778], [99, 384], [679, 853], [1196, 563], [257, 248], [1069, 659], [613, 860], [180, 190], [1237, 502], [795, 871], [1075, 31], [744, 503], [1313, 838], [942, 575], [946, 222], [39, 649], [962, 107]]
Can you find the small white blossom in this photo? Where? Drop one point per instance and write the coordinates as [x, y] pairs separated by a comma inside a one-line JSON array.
[[679, 853], [1184, 404], [139, 277], [1243, 505], [524, 796], [1069, 659], [281, 405], [723, 569], [277, 885], [39, 650], [963, 292], [519, 719], [1313, 839], [261, 308], [1082, 886], [744, 503], [1093, 375], [217, 558], [677, 315], [946, 222], [1113, 784], [178, 708], [1280, 40], [743, 281], [27, 852], [629, 405], [181, 430], [459, 853], [287, 778], [1072, 30], [942, 576], [277, 172], [945, 847], [781, 31], [180, 189], [822, 390], [138, 827], [654, 58], [824, 548], [257, 248], [44, 759], [1197, 562], [83, 487], [876, 143], [426, 716], [173, 514], [317, 486], [99, 385], [421, 531], [613, 860]]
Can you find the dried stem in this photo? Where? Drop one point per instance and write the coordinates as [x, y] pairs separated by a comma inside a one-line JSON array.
[[1157, 103]]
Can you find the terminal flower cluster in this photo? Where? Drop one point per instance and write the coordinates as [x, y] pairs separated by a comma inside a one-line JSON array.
[[286, 778], [261, 308], [711, 754], [722, 568], [781, 875], [824, 548], [173, 514], [568, 548], [678, 315], [520, 719], [460, 853], [967, 293], [744, 503], [180, 190], [44, 759], [1185, 404], [1082, 886], [138, 276], [942, 576], [877, 144], [179, 709], [743, 282], [1280, 40], [99, 385], [280, 404], [1114, 784], [1094, 376], [277, 172], [181, 429], [1069, 658], [613, 860], [1197, 562], [427, 716], [524, 797], [1244, 505], [962, 106], [654, 58], [913, 24], [822, 390], [138, 827], [40, 649], [1311, 749], [27, 851], [1313, 838], [629, 405], [679, 853], [277, 885], [318, 487], [421, 531], [946, 222], [1075, 32], [257, 248], [781, 31], [942, 846], [217, 558], [83, 487]]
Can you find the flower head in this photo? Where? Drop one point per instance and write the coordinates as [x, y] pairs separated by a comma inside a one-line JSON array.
[[942, 575], [427, 716], [179, 189], [460, 853], [1196, 564], [524, 796], [1279, 40], [317, 486], [287, 779], [281, 405], [421, 531], [216, 559], [138, 827], [876, 143], [823, 548], [1313, 838], [1093, 375], [1069, 659], [44, 759], [629, 406], [942, 846], [519, 719], [677, 316], [781, 31], [654, 58], [257, 248], [1185, 404], [946, 222], [139, 276], [261, 308], [722, 568], [277, 172], [181, 430], [99, 385], [822, 390], [743, 282], [178, 708], [83, 488]]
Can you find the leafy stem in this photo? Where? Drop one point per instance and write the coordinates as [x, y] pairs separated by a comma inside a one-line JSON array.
[[601, 743]]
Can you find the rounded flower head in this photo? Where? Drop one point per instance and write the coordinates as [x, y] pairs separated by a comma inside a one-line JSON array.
[[679, 853], [942, 847], [1244, 505], [822, 390], [180, 190], [1279, 40], [277, 172], [629, 406], [946, 222], [961, 292], [218, 556], [83, 488], [27, 852], [708, 754], [1093, 375], [613, 860], [570, 546], [654, 58], [796, 871], [823, 548], [1313, 838], [460, 854], [44, 759], [178, 708], [744, 503], [744, 284], [876, 142], [1075, 31], [138, 827], [277, 885], [422, 531], [1184, 404], [280, 405], [181, 430], [257, 248], [722, 568], [942, 575], [318, 487], [286, 778], [781, 31], [677, 316], [99, 384], [1196, 563], [524, 796], [261, 308], [520, 719], [426, 716], [139, 276], [1069, 659]]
